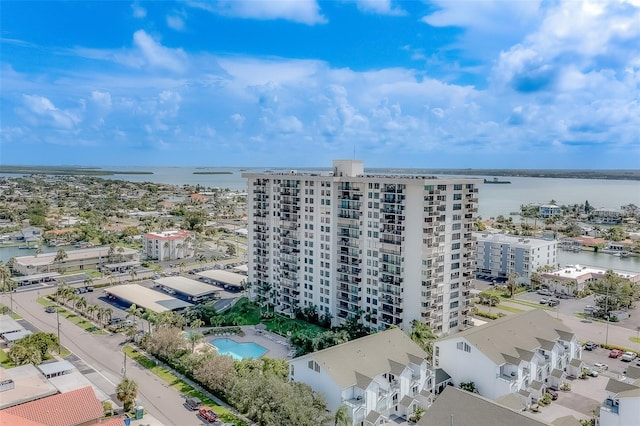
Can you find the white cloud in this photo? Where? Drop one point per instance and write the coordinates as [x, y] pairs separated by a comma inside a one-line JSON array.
[[175, 22], [156, 55], [45, 109], [302, 11], [138, 11], [382, 7]]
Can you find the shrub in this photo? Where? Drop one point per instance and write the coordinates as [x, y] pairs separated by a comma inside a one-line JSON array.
[[565, 387]]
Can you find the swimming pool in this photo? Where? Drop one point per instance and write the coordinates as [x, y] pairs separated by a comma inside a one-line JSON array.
[[238, 350]]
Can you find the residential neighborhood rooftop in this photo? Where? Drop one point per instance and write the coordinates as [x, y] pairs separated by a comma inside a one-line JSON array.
[[505, 339], [358, 361], [147, 298], [461, 408]]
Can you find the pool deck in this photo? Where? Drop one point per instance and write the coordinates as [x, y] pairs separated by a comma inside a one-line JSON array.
[[276, 345]]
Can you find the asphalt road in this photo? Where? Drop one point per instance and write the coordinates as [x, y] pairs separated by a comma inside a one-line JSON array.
[[104, 354]]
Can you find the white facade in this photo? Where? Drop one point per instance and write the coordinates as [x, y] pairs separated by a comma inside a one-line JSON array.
[[392, 249], [516, 353], [390, 381], [622, 408], [167, 245], [549, 210], [501, 255], [572, 278]]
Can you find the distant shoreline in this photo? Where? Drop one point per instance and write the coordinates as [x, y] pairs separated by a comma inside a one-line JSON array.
[[212, 173], [67, 171], [633, 175]]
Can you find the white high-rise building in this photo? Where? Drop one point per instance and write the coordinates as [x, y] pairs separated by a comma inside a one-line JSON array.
[[387, 248]]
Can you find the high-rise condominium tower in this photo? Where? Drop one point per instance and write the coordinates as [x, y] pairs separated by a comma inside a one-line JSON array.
[[388, 249]]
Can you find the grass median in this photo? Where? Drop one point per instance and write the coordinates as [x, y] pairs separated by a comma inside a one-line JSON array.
[[183, 387], [75, 318]]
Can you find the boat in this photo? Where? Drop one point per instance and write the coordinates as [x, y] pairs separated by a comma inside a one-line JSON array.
[[496, 180]]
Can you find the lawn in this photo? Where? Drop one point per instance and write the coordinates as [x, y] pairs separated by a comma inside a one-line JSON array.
[[13, 314], [510, 309], [247, 313], [76, 319], [183, 387], [532, 304], [5, 361]]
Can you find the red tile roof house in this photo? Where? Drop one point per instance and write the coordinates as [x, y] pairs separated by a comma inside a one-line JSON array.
[[76, 408]]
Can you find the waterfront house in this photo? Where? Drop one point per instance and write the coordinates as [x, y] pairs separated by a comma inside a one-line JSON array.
[[549, 210], [524, 352], [377, 377]]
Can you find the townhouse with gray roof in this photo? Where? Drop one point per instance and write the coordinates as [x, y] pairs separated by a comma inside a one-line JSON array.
[[379, 377], [521, 354]]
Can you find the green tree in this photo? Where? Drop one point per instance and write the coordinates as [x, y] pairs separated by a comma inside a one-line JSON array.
[[512, 283], [341, 417], [195, 338], [422, 334], [127, 392], [61, 256]]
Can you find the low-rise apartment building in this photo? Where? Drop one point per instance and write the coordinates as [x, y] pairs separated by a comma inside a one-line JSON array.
[[73, 260], [574, 278], [518, 354], [167, 245], [377, 377], [500, 255]]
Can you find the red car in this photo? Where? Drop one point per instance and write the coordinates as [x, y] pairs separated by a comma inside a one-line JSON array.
[[615, 353], [207, 414]]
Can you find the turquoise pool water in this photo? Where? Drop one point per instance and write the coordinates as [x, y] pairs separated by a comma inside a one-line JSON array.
[[238, 350]]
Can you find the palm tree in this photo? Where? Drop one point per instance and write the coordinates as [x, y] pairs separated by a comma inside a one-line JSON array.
[[512, 283], [135, 312], [106, 314], [126, 392], [341, 417], [88, 281], [195, 338], [91, 310], [61, 256], [8, 285], [81, 304]]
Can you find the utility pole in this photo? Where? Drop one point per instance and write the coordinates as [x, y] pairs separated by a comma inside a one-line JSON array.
[[58, 321], [124, 367]]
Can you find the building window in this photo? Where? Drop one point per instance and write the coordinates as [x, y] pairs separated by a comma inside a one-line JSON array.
[[463, 346]]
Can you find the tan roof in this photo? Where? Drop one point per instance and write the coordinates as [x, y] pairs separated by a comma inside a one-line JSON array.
[[566, 421], [368, 356], [72, 255], [65, 409], [513, 334], [462, 408], [631, 393], [187, 285], [29, 383], [147, 298], [224, 277], [616, 386]]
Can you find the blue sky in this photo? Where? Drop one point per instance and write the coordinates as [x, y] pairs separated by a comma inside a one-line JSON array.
[[430, 84]]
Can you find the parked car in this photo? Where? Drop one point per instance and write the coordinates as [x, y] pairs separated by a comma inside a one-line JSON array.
[[628, 356], [553, 302], [601, 366], [544, 292], [193, 403], [115, 320], [50, 309], [207, 414], [589, 346], [615, 353], [544, 301], [89, 289], [592, 372], [553, 392]]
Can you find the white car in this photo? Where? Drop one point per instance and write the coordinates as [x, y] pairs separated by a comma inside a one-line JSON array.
[[601, 366], [628, 356]]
